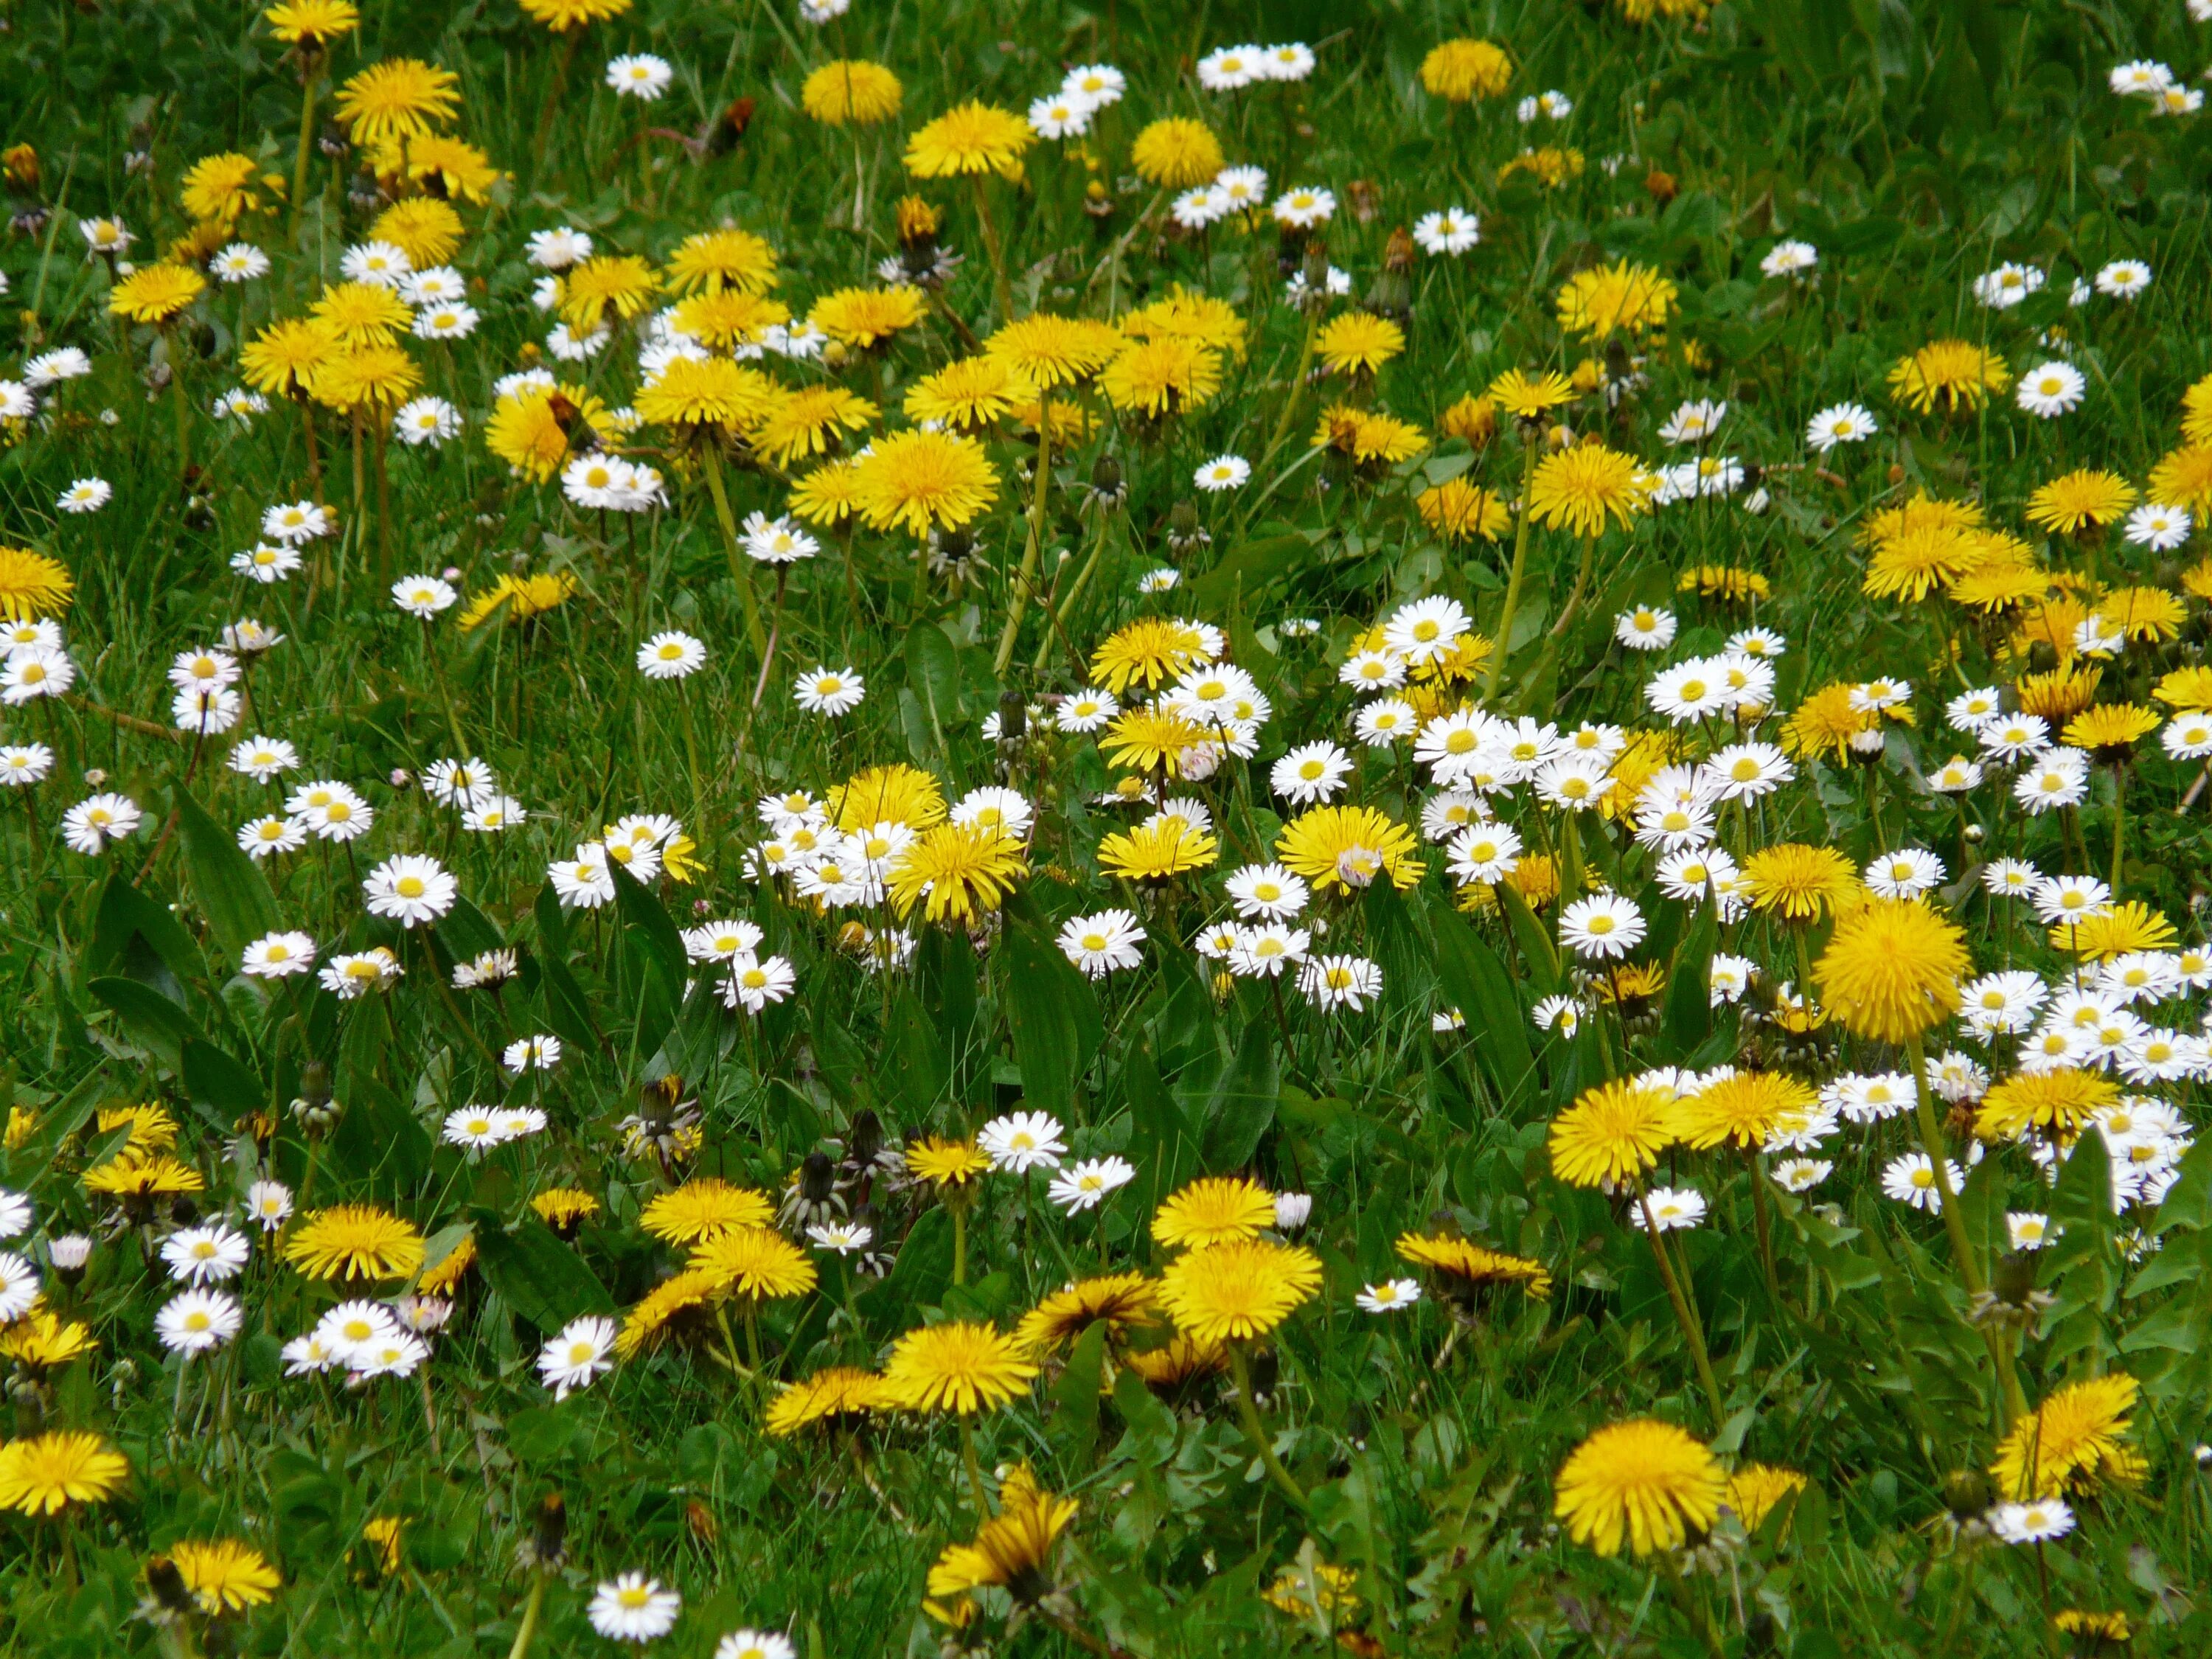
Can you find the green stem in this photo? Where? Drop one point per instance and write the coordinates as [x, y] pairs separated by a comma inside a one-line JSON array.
[[1684, 1315], [1931, 1143], [306, 143], [2119, 822], [528, 1628], [1290, 394], [739, 574], [975, 1471], [1256, 1431], [1002, 290], [1032, 544], [1514, 577], [959, 1244]]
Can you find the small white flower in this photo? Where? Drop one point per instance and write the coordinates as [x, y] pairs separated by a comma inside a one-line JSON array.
[[574, 1357], [632, 1608], [1086, 1185], [1391, 1296]]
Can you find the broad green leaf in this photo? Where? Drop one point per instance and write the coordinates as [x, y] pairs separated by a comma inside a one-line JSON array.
[[1243, 1103], [1043, 996], [1477, 983], [1539, 956], [1689, 987], [214, 1078], [148, 1018], [124, 911], [1074, 1425], [540, 1277], [932, 674], [231, 890]]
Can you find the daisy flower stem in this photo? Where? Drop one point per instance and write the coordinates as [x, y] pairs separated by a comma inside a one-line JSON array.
[[1513, 575], [1684, 1315], [1931, 1143], [691, 761], [2119, 820], [1291, 392], [1256, 1431], [775, 633]]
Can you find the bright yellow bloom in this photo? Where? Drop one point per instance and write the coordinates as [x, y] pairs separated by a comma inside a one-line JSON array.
[[223, 188], [866, 317], [722, 319], [969, 393], [374, 379], [154, 293], [1798, 882], [225, 1575], [1341, 847], [1359, 343], [1150, 650], [620, 283], [956, 872], [1185, 315], [1158, 852], [47, 1472], [315, 22], [1529, 397], [810, 422], [1583, 488], [519, 598], [2183, 477], [1460, 511], [703, 392], [32, 585], [1741, 1111], [1466, 1271], [397, 99], [716, 259], [2079, 1432], [1891, 970], [829, 495], [944, 1163], [1369, 436], [851, 89], [531, 429], [1150, 739], [1214, 1210], [1177, 153], [897, 793], [1121, 1301], [283, 358], [562, 15], [835, 1395], [427, 230], [960, 1365], [925, 481], [1616, 299], [1237, 1290], [1013, 1549], [705, 1208], [757, 1262], [2080, 499], [459, 172], [1613, 1133], [362, 313], [1463, 71], [1643, 1483], [1162, 377], [1756, 1490], [2057, 1104], [354, 1241], [1957, 373], [970, 139]]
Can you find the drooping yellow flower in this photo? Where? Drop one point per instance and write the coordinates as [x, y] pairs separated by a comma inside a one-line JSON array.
[[1616, 299], [956, 872], [155, 294], [396, 99], [223, 188], [970, 139], [1370, 436], [2075, 1435], [519, 598], [1613, 1133], [1956, 373], [457, 171], [1013, 1549], [1741, 1110], [354, 1241], [1121, 1301], [1891, 970], [835, 1396], [33, 585], [1463, 71], [1339, 848], [961, 1366], [1583, 490], [925, 481], [1643, 1483], [651, 1317], [1237, 1290], [851, 89], [1460, 511], [1466, 1271], [225, 1575], [1177, 153], [1755, 1491], [47, 1472]]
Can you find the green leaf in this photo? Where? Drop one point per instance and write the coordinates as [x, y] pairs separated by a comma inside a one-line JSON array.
[[1074, 1427], [1539, 956], [125, 911], [566, 1010], [538, 1276], [1689, 982], [231, 890], [915, 1058], [1044, 997], [214, 1078], [655, 949], [1244, 1102], [917, 1279], [932, 674], [1477, 982], [148, 1018], [1159, 1126], [467, 932], [1248, 568]]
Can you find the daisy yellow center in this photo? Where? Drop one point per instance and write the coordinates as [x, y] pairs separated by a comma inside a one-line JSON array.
[[410, 886]]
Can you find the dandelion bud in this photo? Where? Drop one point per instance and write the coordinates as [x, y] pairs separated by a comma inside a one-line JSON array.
[[171, 1597], [1967, 1493], [549, 1531]]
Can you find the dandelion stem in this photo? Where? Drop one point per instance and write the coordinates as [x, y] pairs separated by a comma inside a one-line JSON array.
[[1032, 544], [307, 142], [1002, 290], [983, 1510], [1684, 1315], [528, 1628], [737, 571], [1256, 1431]]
